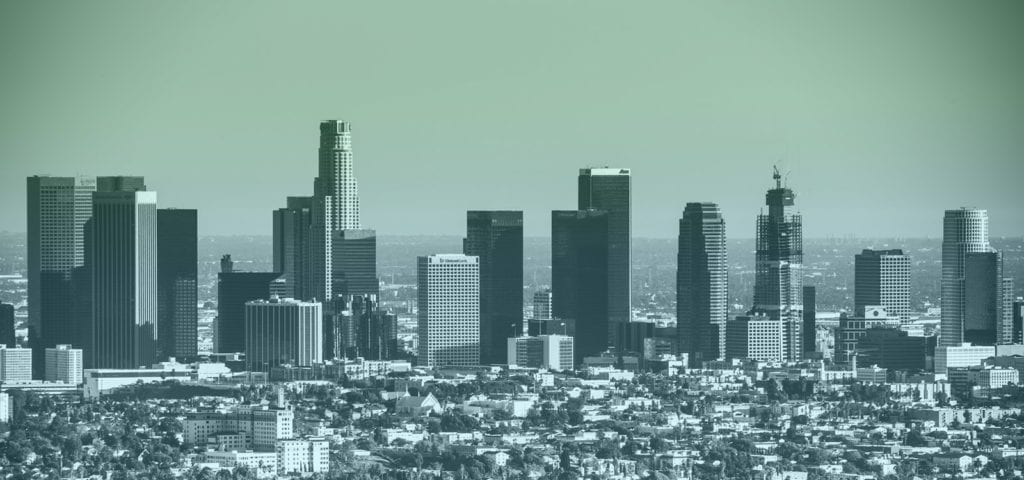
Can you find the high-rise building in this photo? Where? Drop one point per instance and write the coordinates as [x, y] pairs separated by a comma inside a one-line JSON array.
[[448, 298], [542, 305], [779, 267], [64, 364], [121, 240], [15, 364], [754, 337], [7, 334], [337, 179], [292, 247], [882, 278], [361, 329], [177, 283], [496, 238], [58, 208], [579, 277], [553, 352], [283, 332], [810, 325], [963, 231], [609, 190], [1018, 320], [702, 283], [234, 289], [355, 262], [894, 349], [987, 302]]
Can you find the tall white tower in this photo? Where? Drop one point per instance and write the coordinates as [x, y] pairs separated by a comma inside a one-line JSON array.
[[337, 178], [448, 297]]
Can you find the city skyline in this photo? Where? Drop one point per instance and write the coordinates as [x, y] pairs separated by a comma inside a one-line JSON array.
[[914, 113]]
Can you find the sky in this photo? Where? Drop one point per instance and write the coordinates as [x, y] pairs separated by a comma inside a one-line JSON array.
[[883, 114]]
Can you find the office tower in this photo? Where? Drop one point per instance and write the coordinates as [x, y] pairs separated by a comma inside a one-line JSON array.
[[336, 179], [448, 298], [7, 334], [702, 283], [233, 290], [58, 208], [754, 337], [552, 352], [1018, 321], [177, 278], [963, 231], [15, 364], [810, 326], [852, 328], [292, 244], [542, 305], [122, 264], [579, 277], [283, 332], [609, 190], [64, 364], [496, 238], [779, 268], [882, 277], [354, 267], [987, 300], [366, 331]]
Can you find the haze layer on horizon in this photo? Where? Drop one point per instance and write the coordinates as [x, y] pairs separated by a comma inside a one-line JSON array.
[[884, 114]]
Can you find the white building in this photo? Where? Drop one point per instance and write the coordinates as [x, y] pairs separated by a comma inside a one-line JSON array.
[[303, 456], [962, 355], [756, 337], [283, 331], [263, 464], [64, 364], [264, 426], [15, 364], [449, 310], [5, 407], [553, 352]]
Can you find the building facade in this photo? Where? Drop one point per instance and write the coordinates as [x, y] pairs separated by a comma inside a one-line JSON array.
[[882, 278], [64, 364], [496, 238], [610, 190], [15, 364], [552, 352], [234, 289], [754, 337], [283, 332], [853, 328], [354, 263], [58, 208], [702, 283], [448, 300], [779, 267], [964, 231], [177, 283], [579, 277], [121, 260]]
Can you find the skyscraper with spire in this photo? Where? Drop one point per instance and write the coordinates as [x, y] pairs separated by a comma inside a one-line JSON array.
[[779, 266]]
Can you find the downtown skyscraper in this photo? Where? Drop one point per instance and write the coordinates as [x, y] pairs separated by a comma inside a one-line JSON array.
[[610, 190], [448, 309], [702, 283], [496, 237], [975, 296], [779, 267], [58, 208], [177, 283], [882, 278], [121, 260], [579, 277]]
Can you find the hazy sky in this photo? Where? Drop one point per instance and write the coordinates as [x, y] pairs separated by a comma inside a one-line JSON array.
[[886, 113]]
